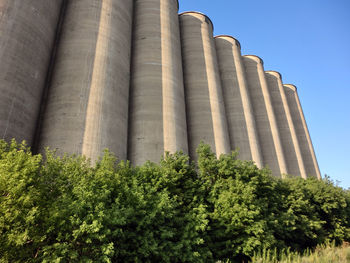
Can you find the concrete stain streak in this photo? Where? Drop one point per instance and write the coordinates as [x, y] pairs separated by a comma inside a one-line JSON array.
[[92, 132], [273, 124], [221, 137], [295, 142], [168, 87]]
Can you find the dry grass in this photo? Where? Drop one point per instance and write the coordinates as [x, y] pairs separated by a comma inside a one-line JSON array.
[[322, 254]]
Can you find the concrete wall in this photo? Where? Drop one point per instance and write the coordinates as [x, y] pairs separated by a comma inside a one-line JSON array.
[[265, 119], [290, 144], [157, 110], [27, 34], [240, 117], [137, 78], [87, 105], [206, 118], [302, 133]]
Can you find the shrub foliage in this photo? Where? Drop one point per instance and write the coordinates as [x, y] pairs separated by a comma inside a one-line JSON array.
[[63, 209]]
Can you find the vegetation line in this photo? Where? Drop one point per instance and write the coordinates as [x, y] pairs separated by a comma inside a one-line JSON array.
[[63, 209]]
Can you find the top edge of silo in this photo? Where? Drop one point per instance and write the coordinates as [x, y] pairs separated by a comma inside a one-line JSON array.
[[199, 13], [291, 86], [255, 56], [275, 72], [228, 36]]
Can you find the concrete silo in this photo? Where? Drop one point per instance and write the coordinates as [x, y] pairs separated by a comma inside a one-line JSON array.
[[206, 118], [157, 103], [290, 144], [27, 35], [240, 117], [302, 133], [87, 103], [269, 137]]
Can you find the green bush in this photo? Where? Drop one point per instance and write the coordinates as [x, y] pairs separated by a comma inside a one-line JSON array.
[[63, 209]]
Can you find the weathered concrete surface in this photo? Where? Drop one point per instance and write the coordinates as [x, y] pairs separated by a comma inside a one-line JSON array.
[[87, 105], [285, 125], [240, 117], [290, 144], [302, 132], [228, 103], [206, 118], [27, 33], [269, 137], [157, 110]]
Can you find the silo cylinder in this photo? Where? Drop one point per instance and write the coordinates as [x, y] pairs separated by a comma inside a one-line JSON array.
[[295, 164], [240, 117], [302, 133], [27, 34], [157, 103], [206, 117], [269, 137], [87, 104]]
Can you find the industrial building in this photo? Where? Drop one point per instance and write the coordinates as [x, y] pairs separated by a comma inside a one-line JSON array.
[[140, 79]]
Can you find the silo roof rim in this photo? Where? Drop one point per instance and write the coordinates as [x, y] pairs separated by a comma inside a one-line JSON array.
[[290, 85], [197, 12], [262, 61], [274, 71], [239, 44]]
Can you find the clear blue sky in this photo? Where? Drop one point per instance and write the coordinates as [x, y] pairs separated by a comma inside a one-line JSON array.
[[308, 42]]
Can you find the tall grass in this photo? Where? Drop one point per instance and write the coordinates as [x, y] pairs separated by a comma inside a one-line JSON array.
[[322, 254]]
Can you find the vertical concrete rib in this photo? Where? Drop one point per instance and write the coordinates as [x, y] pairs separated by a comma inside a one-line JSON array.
[[157, 108], [27, 34], [291, 149], [240, 118], [302, 133], [87, 105], [265, 119], [206, 118]]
